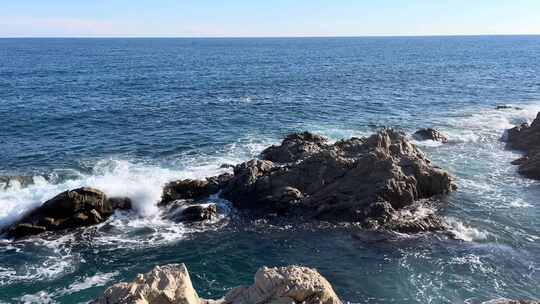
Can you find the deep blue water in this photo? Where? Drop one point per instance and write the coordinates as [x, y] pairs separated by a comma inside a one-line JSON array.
[[127, 115]]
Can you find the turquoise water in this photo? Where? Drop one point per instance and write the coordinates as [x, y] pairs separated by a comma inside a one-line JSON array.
[[128, 115]]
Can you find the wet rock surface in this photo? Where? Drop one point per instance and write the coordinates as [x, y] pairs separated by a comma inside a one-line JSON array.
[[526, 138], [193, 189], [430, 134], [366, 180], [188, 211], [69, 209], [172, 284]]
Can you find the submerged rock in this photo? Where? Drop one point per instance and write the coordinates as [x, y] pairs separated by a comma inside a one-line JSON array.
[[12, 180], [507, 107], [69, 209], [363, 180], [526, 137], [430, 134], [172, 284]]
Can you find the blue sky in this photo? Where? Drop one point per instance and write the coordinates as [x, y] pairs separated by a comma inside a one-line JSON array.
[[240, 18]]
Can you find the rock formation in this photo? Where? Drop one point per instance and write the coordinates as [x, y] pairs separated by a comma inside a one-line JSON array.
[[192, 189], [187, 211], [164, 284], [430, 134], [69, 209], [172, 284], [365, 180], [527, 138]]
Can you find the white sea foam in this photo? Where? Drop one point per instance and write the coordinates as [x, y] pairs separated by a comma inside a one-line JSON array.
[[41, 297], [99, 279], [142, 183], [464, 232]]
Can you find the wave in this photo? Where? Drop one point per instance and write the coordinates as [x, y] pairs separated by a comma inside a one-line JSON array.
[[463, 232], [140, 181]]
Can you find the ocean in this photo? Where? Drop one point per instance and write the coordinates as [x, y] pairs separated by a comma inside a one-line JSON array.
[[128, 115]]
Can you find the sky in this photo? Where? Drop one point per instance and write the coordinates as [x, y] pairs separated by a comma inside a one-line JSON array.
[[270, 18]]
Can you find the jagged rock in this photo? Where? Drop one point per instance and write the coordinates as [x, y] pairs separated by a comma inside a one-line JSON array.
[[341, 182], [364, 180], [295, 147], [292, 284], [193, 189], [430, 134], [69, 209], [526, 137], [172, 284], [164, 284]]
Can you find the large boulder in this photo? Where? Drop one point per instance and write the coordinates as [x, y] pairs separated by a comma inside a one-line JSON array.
[[172, 284], [292, 284], [69, 209], [526, 138], [430, 134], [341, 182], [164, 284]]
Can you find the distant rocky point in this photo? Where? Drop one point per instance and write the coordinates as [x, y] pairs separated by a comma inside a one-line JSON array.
[[526, 138], [172, 284]]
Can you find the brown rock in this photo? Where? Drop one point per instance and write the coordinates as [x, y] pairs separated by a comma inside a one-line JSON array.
[[69, 209]]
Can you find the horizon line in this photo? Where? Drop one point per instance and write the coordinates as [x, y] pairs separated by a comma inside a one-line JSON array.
[[264, 37]]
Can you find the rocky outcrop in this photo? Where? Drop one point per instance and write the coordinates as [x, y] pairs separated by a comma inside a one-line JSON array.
[[366, 180], [430, 134], [193, 189], [172, 284], [165, 284], [295, 147], [69, 209], [526, 138], [291, 284]]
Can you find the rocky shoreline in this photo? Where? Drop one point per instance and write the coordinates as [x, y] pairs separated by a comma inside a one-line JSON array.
[[379, 182]]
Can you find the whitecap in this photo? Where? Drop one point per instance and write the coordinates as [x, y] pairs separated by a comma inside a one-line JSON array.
[[464, 232]]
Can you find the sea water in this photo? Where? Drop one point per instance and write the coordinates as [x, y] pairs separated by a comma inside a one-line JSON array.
[[128, 115]]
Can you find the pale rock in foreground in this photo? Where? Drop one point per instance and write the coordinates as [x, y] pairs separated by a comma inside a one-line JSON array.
[[164, 284], [292, 284], [171, 284]]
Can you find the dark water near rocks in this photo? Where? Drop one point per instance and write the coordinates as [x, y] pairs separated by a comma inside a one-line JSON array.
[[127, 115]]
